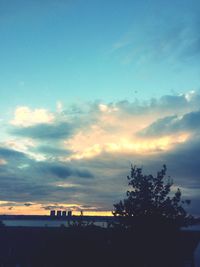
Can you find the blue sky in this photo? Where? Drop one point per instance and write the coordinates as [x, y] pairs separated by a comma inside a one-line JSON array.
[[73, 70], [88, 50]]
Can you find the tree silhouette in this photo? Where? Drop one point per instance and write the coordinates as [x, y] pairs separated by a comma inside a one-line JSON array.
[[151, 201]]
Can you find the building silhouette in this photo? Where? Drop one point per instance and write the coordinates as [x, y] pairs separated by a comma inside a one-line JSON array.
[[59, 213], [52, 213], [64, 213]]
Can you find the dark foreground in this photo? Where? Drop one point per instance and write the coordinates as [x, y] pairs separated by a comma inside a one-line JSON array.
[[92, 246]]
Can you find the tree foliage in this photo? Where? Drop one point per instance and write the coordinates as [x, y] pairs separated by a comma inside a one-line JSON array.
[[151, 198]]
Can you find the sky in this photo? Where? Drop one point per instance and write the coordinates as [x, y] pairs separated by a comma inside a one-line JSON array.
[[88, 88]]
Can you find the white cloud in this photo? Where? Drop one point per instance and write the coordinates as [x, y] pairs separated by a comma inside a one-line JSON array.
[[25, 117], [59, 106], [25, 145], [190, 95]]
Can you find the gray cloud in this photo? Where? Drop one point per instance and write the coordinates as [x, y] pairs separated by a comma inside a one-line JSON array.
[[28, 204], [8, 153], [167, 104], [28, 189], [173, 124], [25, 180], [45, 131], [71, 207], [109, 184], [55, 207], [50, 150], [62, 170]]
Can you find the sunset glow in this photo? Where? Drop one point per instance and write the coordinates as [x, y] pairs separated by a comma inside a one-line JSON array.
[[38, 209], [85, 148]]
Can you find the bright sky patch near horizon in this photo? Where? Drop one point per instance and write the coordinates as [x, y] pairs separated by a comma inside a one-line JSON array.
[[87, 87]]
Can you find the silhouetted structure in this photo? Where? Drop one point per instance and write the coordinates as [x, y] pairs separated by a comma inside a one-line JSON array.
[[69, 214], [59, 213], [52, 213], [64, 213]]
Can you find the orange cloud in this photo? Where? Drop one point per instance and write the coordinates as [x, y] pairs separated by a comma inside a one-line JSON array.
[[113, 132]]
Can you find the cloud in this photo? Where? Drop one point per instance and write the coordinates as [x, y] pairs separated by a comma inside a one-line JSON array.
[[62, 207], [63, 171], [24, 179], [27, 204], [51, 151], [175, 42], [83, 156], [111, 133], [9, 154], [45, 131], [25, 117], [188, 123]]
